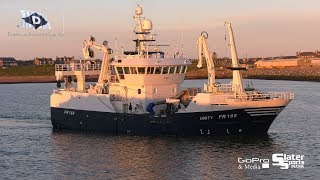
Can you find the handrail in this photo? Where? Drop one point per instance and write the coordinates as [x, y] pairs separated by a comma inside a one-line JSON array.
[[224, 87], [264, 96], [123, 56], [227, 87], [77, 67], [256, 95]]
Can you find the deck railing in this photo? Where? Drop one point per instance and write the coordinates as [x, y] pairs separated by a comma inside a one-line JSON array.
[[224, 87], [77, 67], [283, 95], [264, 96], [230, 87], [255, 95]]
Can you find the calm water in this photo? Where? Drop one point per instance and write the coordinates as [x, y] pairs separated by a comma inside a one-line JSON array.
[[30, 149]]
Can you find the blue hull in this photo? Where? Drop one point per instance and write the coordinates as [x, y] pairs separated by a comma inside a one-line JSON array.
[[184, 124]]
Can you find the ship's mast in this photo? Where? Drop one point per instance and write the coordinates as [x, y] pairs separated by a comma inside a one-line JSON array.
[[237, 85], [138, 12], [143, 28]]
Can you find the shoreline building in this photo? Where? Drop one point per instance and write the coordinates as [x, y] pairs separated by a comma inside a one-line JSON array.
[[43, 61], [65, 60], [315, 54], [302, 59], [8, 62]]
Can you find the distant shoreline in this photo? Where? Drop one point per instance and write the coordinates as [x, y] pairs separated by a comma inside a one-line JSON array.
[[310, 79], [290, 74], [45, 74], [32, 79], [52, 79]]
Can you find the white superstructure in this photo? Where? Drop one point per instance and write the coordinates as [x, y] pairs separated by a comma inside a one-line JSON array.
[[136, 77]]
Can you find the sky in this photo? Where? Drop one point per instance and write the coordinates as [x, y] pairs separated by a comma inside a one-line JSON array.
[[262, 28]]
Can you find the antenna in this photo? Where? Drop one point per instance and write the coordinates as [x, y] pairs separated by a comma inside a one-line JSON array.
[[225, 41], [116, 45], [182, 38], [63, 24]]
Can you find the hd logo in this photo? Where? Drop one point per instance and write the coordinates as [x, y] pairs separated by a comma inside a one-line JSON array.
[[31, 19]]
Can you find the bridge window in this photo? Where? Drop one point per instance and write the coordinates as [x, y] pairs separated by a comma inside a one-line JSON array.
[[183, 69], [120, 72], [165, 70], [133, 70], [172, 69], [150, 70], [126, 70], [158, 70], [141, 70], [178, 69]]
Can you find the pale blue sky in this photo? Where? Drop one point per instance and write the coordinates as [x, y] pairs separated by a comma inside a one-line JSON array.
[[262, 28]]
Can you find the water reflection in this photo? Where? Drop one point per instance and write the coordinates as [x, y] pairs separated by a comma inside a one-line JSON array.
[[97, 155]]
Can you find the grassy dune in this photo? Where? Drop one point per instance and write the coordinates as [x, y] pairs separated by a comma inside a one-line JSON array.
[[46, 70], [23, 74], [296, 74]]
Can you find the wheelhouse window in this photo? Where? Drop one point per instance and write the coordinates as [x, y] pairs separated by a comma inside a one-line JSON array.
[[158, 70], [172, 69], [141, 70], [126, 70], [150, 70], [120, 72], [178, 69], [183, 69], [165, 70], [133, 70]]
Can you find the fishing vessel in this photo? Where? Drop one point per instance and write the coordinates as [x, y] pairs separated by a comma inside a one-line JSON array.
[[139, 92]]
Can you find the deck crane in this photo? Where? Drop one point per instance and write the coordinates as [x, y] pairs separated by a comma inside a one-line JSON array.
[[237, 85], [88, 52], [203, 50]]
